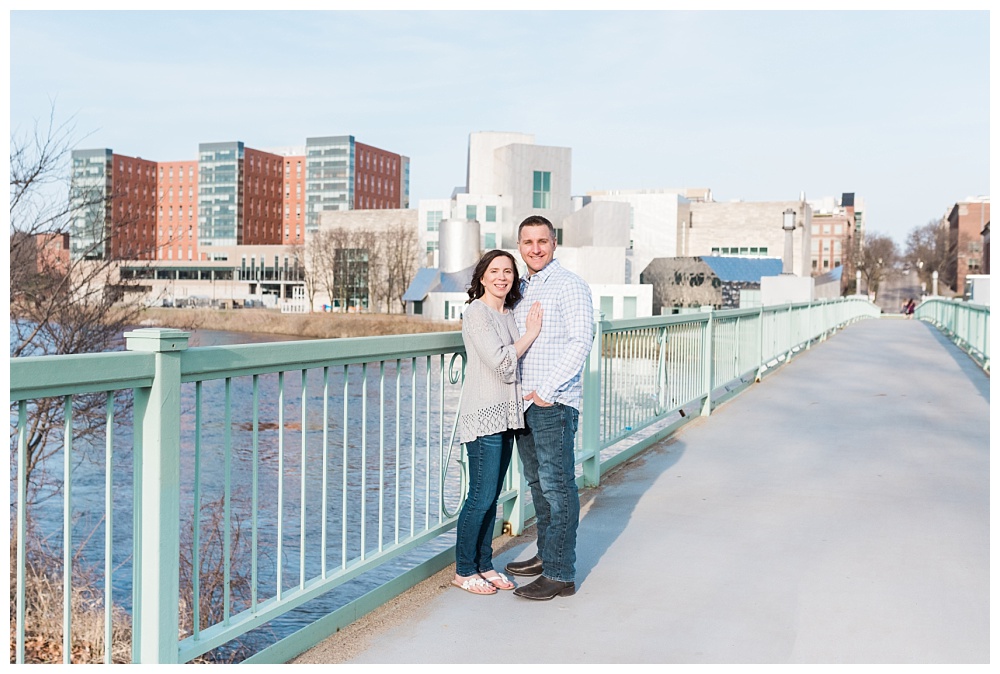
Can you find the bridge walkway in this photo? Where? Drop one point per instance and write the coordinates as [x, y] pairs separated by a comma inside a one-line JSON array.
[[837, 512]]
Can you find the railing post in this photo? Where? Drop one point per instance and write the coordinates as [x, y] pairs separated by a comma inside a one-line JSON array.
[[591, 427], [760, 344], [709, 355], [157, 497]]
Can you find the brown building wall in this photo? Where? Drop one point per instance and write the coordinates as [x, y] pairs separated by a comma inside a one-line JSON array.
[[966, 222], [293, 216], [41, 253], [377, 178], [261, 222], [177, 210], [986, 249], [831, 241], [133, 208]]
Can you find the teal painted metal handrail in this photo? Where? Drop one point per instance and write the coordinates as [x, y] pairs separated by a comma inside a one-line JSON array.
[[966, 324], [642, 380]]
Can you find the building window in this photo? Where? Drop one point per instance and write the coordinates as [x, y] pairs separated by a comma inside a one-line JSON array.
[[418, 307], [542, 189], [490, 241], [434, 220], [432, 246], [491, 214], [470, 212]]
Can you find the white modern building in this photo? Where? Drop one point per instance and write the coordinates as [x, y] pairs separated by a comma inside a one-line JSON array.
[[748, 229], [508, 178], [655, 218]]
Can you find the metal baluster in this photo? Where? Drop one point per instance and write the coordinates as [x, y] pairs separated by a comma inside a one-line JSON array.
[[281, 480], [302, 488], [22, 515], [413, 445], [67, 530], [109, 502], [381, 449], [196, 518], [364, 456], [343, 494], [227, 439], [326, 466], [396, 520], [254, 494]]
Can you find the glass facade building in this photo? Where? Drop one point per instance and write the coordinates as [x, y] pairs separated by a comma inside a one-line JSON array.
[[329, 176], [220, 194], [90, 203]]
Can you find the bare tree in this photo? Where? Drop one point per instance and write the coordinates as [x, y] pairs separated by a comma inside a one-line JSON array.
[[374, 246], [364, 267], [928, 250], [59, 304], [302, 265], [401, 251], [877, 257], [322, 253]]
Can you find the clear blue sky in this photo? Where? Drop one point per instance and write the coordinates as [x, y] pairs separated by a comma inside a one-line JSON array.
[[759, 106]]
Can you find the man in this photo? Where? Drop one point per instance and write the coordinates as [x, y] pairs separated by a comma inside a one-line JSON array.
[[552, 380]]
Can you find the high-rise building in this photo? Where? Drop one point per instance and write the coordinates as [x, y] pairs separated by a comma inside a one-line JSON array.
[[132, 208], [342, 175], [113, 206], [239, 196]]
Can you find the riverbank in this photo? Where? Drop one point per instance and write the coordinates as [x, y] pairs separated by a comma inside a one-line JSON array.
[[316, 326]]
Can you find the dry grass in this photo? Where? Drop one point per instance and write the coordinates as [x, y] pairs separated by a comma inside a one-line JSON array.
[[43, 638], [266, 321]]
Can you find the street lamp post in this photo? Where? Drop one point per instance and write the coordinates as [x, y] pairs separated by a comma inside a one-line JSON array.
[[788, 224]]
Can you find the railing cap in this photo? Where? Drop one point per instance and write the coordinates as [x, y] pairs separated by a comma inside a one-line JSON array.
[[156, 340]]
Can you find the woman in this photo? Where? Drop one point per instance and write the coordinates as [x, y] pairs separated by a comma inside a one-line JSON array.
[[491, 408]]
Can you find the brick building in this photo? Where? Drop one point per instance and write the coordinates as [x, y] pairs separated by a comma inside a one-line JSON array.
[[231, 195], [177, 210], [966, 222]]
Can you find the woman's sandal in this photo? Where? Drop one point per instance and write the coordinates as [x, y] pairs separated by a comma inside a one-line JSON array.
[[499, 581], [475, 585]]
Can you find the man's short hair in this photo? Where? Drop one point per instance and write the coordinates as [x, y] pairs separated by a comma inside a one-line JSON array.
[[534, 221]]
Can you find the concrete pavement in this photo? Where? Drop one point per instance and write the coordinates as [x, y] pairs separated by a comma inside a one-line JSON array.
[[837, 512]]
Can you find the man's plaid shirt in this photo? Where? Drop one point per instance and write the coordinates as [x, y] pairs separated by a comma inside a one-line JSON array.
[[553, 364]]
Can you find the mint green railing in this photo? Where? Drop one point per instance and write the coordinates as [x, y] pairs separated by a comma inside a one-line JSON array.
[[968, 325], [336, 490]]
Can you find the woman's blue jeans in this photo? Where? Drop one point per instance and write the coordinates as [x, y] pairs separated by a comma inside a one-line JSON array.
[[489, 457]]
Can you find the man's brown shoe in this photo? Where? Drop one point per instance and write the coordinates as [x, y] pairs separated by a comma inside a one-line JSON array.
[[546, 588], [529, 567]]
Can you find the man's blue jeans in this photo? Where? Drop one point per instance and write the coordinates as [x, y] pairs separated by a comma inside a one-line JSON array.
[[489, 458], [546, 451]]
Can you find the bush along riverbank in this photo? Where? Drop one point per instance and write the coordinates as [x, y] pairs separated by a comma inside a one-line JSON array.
[[312, 326]]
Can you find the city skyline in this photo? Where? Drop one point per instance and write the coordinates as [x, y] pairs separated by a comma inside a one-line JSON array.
[[759, 106]]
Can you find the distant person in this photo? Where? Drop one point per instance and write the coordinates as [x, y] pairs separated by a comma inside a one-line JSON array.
[[909, 308], [552, 378], [491, 408]]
